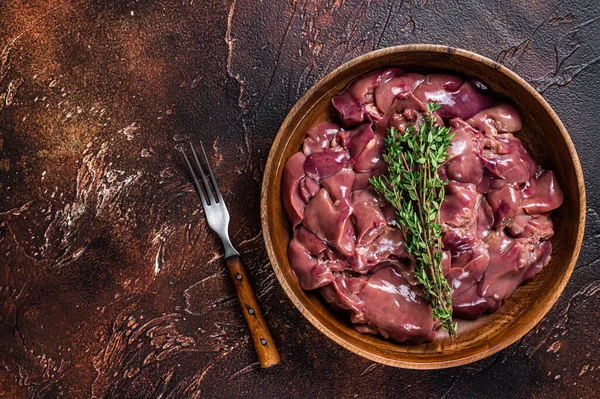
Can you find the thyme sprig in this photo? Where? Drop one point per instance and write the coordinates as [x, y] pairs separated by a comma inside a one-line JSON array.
[[413, 186]]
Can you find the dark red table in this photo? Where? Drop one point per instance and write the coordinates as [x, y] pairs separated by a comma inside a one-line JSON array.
[[111, 284]]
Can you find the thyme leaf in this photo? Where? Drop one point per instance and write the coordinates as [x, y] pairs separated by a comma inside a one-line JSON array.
[[413, 186]]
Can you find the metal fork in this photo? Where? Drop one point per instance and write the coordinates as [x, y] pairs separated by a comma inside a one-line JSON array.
[[218, 220]]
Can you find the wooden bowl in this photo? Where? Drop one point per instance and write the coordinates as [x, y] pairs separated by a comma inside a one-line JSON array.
[[544, 135]]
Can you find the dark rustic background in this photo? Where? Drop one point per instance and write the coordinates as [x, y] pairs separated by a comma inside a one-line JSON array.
[[111, 284]]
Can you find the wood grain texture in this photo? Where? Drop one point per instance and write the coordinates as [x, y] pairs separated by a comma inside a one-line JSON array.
[[113, 286], [542, 132], [265, 347]]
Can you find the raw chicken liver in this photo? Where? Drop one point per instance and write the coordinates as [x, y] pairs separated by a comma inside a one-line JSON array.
[[495, 218]]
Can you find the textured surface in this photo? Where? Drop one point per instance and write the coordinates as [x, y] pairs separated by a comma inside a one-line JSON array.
[[111, 283]]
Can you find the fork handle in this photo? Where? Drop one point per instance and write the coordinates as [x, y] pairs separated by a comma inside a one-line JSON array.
[[267, 352]]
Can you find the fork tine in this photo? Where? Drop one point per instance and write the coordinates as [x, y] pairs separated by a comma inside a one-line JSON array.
[[212, 175], [206, 185], [202, 198]]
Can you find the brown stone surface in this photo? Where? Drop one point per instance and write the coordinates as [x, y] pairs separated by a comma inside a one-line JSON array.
[[111, 284]]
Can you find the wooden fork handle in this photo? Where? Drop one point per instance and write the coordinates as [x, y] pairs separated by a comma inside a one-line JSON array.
[[267, 352]]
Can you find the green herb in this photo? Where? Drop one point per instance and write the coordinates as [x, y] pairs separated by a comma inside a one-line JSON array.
[[415, 189]]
